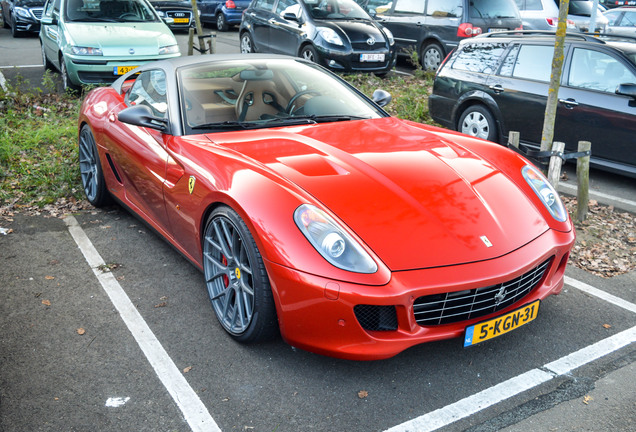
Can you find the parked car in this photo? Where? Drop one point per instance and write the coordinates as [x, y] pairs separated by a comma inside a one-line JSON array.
[[621, 21], [180, 11], [337, 34], [496, 84], [544, 15], [95, 42], [223, 14], [313, 213], [433, 28], [22, 16]]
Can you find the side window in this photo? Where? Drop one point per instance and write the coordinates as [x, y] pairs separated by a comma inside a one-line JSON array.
[[150, 89], [612, 17], [409, 6], [444, 8], [287, 6], [481, 58], [532, 62], [596, 70], [629, 19], [267, 5]]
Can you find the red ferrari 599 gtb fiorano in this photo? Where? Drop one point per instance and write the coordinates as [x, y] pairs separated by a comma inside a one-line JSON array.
[[314, 213]]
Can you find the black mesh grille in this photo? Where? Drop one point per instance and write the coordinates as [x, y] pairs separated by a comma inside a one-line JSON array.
[[376, 318], [464, 305]]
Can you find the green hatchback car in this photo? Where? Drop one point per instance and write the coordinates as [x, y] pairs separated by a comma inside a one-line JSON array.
[[94, 42]]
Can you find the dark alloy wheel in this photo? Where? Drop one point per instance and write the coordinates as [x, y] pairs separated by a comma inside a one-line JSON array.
[[247, 45], [91, 170], [236, 278], [221, 24]]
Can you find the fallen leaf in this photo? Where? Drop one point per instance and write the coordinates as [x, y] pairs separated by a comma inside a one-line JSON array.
[[188, 369], [162, 304], [46, 302], [363, 394], [607, 326], [81, 331], [49, 277], [587, 399]]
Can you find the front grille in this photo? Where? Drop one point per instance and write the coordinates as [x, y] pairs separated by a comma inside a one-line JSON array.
[[37, 13], [180, 15], [363, 46], [376, 318], [97, 77], [458, 306]]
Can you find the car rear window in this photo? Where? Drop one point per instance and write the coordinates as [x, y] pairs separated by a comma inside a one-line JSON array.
[[482, 58], [493, 9]]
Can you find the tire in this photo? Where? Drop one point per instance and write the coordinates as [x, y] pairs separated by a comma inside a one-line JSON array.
[[477, 121], [14, 29], [45, 61], [66, 80], [247, 45], [91, 172], [221, 23], [308, 52], [236, 279], [431, 56]]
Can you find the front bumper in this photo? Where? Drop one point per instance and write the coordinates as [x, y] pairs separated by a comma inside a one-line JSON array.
[[100, 70], [349, 60], [319, 315]]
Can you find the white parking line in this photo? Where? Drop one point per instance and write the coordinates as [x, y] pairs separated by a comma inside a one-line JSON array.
[[514, 386], [21, 66], [3, 82], [193, 409]]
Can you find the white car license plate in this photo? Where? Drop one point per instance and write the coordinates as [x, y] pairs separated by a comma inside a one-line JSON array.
[[371, 57], [494, 30]]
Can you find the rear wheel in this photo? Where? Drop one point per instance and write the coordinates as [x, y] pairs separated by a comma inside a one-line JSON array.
[[91, 169], [236, 278], [477, 121], [221, 24], [45, 61], [431, 56]]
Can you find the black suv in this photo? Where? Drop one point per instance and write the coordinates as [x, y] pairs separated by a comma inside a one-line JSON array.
[[433, 28], [499, 82], [22, 15]]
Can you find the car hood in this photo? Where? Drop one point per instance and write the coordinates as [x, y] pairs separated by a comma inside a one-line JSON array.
[[116, 39], [416, 200], [172, 4], [357, 31]]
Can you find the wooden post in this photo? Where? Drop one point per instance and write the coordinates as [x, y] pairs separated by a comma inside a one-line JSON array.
[[583, 181], [190, 41], [554, 170], [513, 139], [197, 22]]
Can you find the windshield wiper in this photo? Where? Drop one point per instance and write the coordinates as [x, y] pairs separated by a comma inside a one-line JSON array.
[[332, 118], [222, 125]]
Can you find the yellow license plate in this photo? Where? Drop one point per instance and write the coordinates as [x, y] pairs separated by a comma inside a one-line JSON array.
[[122, 70], [181, 20], [492, 328]]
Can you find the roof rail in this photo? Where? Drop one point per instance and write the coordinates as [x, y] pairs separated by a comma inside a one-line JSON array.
[[590, 37], [613, 37]]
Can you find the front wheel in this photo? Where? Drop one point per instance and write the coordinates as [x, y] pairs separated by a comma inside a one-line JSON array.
[[477, 121], [247, 45], [308, 52], [66, 80], [236, 278]]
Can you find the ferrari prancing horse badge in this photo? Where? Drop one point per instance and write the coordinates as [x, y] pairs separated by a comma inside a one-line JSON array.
[[191, 184]]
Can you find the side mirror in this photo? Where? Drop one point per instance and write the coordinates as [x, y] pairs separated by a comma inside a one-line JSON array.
[[381, 97], [141, 115], [628, 90], [290, 16], [49, 20]]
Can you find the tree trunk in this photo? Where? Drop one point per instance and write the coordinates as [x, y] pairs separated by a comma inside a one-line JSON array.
[[555, 78]]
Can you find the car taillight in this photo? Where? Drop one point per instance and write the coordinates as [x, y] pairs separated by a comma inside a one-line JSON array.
[[554, 21], [519, 28], [230, 4], [467, 30]]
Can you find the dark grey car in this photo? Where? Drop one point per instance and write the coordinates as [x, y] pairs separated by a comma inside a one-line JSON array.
[[499, 83], [433, 28], [22, 16]]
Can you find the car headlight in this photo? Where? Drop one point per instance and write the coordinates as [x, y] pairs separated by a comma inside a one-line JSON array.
[[389, 35], [170, 49], [331, 241], [161, 14], [330, 36], [546, 193], [22, 12], [80, 50]]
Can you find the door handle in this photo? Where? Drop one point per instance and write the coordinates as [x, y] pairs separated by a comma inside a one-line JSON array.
[[497, 88], [569, 103]]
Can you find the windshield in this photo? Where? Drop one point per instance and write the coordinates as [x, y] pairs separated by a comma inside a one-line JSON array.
[[109, 11], [335, 9], [234, 95], [493, 9]]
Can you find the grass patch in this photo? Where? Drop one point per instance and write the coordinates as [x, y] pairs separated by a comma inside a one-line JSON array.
[[38, 147]]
